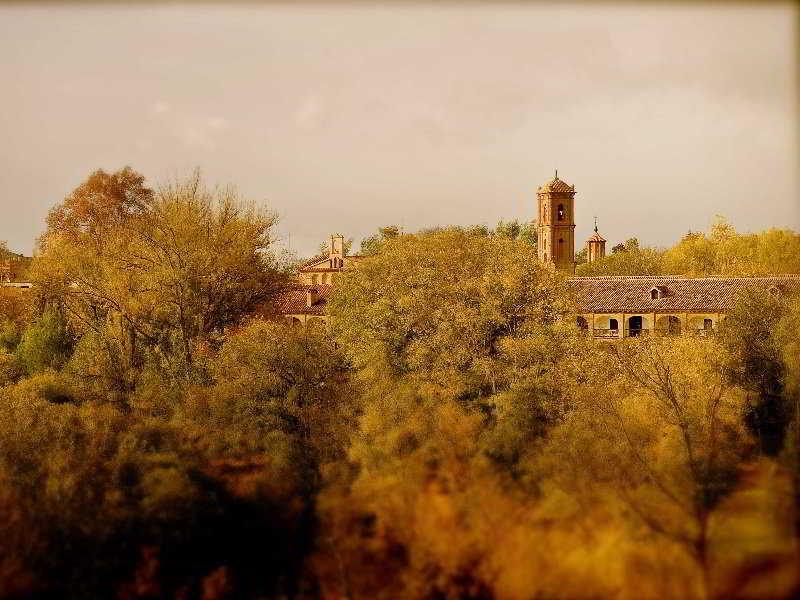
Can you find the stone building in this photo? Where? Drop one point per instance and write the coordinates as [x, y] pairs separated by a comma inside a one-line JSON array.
[[608, 308], [14, 267], [629, 306], [324, 268], [305, 303]]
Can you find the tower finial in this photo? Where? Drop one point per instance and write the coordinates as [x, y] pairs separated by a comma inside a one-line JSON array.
[[595, 224], [556, 173]]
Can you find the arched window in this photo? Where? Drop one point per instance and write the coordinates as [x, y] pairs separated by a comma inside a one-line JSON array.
[[561, 213], [613, 324], [314, 279], [560, 249]]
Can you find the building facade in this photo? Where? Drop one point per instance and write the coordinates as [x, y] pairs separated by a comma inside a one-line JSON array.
[[305, 303], [614, 307], [608, 308]]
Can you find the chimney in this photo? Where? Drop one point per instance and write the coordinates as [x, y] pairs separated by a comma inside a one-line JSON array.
[[312, 295]]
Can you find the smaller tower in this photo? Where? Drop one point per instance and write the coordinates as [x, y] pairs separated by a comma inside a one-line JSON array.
[[336, 252], [595, 246]]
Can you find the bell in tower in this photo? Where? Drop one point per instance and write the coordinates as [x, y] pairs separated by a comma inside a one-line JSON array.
[[556, 231]]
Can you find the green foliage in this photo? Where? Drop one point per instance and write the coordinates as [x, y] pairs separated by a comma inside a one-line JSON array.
[[440, 308], [756, 364], [46, 343], [524, 232], [10, 368], [275, 383], [372, 244], [626, 259]]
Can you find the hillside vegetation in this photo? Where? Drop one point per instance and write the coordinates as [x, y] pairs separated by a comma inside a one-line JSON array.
[[451, 436]]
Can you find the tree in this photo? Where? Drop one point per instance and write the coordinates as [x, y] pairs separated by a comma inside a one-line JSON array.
[[275, 377], [755, 364], [666, 438], [97, 208], [167, 271], [625, 259], [446, 308], [46, 343], [725, 252], [372, 244], [788, 342], [525, 232]]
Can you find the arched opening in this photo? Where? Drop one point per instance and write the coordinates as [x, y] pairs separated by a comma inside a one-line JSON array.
[[668, 325], [635, 326], [613, 324], [560, 249], [561, 212], [708, 324], [582, 324]]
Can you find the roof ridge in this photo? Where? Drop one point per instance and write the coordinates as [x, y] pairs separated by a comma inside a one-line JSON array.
[[683, 277]]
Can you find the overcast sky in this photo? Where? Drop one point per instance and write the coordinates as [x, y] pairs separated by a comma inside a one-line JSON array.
[[345, 118]]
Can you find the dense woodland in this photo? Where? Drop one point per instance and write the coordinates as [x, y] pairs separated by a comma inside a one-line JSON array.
[[451, 436]]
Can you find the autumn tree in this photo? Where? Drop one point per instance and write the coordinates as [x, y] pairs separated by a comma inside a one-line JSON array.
[[447, 309], [144, 276], [667, 438], [723, 251], [628, 258], [524, 231], [372, 244], [755, 363]]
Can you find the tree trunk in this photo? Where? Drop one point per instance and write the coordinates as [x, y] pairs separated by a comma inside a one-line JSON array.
[[701, 554]]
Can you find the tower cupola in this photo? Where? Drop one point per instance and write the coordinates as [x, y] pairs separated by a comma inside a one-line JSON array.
[[595, 245]]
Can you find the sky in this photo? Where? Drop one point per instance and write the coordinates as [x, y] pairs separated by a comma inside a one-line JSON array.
[[347, 117]]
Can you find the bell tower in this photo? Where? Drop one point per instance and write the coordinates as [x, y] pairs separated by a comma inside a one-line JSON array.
[[556, 231]]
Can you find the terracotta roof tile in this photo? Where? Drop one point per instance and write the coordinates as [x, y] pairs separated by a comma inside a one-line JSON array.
[[556, 185], [631, 294], [293, 301], [315, 260], [596, 237]]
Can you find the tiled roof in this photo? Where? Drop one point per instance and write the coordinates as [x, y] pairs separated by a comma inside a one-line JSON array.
[[556, 185], [631, 294], [596, 237], [315, 260], [293, 301], [309, 265]]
